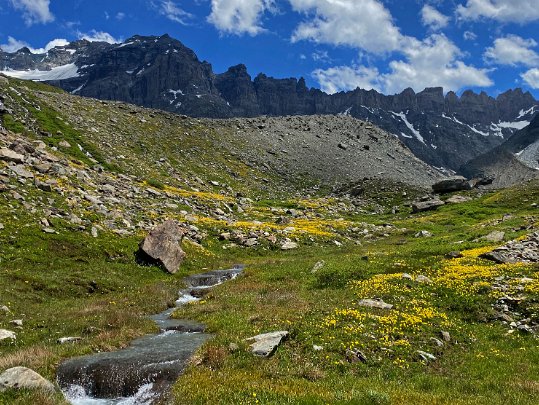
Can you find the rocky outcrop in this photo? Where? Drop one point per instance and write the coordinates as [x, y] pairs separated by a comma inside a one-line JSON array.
[[525, 251], [162, 247]]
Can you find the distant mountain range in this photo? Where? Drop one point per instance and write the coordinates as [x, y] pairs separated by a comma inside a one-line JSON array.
[[445, 131]]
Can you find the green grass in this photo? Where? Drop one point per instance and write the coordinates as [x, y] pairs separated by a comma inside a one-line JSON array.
[[71, 284]]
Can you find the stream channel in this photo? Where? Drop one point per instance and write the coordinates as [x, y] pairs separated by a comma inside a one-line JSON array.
[[142, 372]]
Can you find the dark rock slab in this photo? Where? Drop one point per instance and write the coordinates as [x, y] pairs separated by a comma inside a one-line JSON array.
[[451, 184], [429, 205]]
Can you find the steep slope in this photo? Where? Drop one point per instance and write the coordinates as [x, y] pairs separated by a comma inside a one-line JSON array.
[[514, 161], [264, 154], [160, 72]]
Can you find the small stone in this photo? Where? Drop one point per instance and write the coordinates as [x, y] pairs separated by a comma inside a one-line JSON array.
[[375, 304], [70, 339], [495, 236], [446, 336], [454, 255], [317, 348], [407, 276], [1, 226], [7, 334], [289, 245], [94, 232], [233, 347], [64, 144], [5, 309], [426, 356], [48, 230], [423, 234], [423, 279], [437, 342], [16, 322], [355, 356], [318, 266]]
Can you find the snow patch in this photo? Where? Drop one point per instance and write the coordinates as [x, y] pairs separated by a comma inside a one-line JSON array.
[[414, 131], [346, 113], [57, 73], [523, 113]]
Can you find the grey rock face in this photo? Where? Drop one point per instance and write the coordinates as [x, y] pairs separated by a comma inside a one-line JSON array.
[[162, 246]]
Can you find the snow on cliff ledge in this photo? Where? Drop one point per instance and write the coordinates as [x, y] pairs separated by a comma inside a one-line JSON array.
[[56, 73]]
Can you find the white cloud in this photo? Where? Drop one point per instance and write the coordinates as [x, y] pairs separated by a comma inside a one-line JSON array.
[[512, 50], [342, 78], [433, 19], [518, 11], [469, 36], [173, 12], [321, 56], [98, 36], [120, 16], [430, 63], [14, 45], [364, 24], [531, 77], [239, 16], [34, 11]]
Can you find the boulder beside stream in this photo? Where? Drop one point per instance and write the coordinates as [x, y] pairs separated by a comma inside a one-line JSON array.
[[162, 247]]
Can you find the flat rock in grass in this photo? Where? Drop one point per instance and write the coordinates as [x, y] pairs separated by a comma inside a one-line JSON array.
[[24, 378], [421, 206], [495, 236], [375, 304], [162, 247], [426, 356], [423, 279], [69, 339], [458, 199], [265, 344], [7, 334], [289, 246]]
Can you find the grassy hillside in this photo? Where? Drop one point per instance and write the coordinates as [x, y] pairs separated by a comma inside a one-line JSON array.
[[67, 266]]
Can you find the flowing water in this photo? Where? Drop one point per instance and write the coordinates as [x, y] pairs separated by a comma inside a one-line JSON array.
[[140, 373]]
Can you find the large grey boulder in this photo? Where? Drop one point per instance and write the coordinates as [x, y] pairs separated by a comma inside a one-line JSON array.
[[265, 344], [455, 183], [429, 205], [24, 378], [162, 247]]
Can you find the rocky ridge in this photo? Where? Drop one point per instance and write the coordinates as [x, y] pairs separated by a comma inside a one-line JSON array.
[[160, 72]]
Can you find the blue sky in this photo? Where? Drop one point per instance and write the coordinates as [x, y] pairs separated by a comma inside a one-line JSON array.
[[388, 45]]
